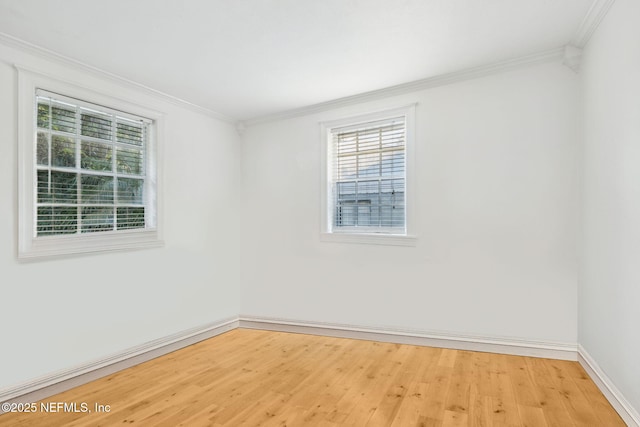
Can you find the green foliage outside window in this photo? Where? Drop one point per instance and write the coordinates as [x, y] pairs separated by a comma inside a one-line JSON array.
[[71, 140]]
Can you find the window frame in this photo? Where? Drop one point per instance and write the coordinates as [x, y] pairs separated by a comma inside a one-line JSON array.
[[31, 246], [385, 236]]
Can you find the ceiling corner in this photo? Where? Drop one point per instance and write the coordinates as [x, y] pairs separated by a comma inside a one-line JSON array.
[[592, 19]]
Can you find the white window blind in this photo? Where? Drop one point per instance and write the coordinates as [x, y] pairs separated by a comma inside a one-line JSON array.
[[91, 168], [368, 177]]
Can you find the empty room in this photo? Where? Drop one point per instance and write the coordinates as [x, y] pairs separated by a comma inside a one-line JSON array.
[[320, 212]]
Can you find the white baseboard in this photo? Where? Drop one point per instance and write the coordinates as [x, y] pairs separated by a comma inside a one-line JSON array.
[[59, 382], [512, 346], [628, 413]]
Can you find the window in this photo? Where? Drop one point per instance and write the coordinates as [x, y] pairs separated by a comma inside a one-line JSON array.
[[90, 168], [88, 178], [366, 178]]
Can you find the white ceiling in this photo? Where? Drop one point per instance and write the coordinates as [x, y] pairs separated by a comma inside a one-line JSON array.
[[249, 58]]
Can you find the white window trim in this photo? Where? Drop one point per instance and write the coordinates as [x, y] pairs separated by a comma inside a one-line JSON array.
[[32, 247], [408, 237]]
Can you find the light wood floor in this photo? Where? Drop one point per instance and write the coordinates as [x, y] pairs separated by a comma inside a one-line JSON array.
[[247, 377]]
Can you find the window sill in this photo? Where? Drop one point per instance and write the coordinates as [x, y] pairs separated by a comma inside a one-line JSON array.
[[57, 246], [369, 239]]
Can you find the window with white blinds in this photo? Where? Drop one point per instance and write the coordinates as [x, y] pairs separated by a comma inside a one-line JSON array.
[[88, 169], [91, 168], [367, 170]]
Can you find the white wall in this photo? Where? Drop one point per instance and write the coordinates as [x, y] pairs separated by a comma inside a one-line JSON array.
[[496, 206], [57, 314], [609, 293]]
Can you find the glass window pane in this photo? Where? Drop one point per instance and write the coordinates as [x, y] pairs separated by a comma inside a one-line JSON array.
[[57, 220], [392, 163], [130, 217], [97, 218], [96, 156], [369, 141], [393, 136], [63, 151], [44, 113], [130, 161], [346, 190], [347, 167], [386, 215], [96, 125], [364, 213], [96, 189], [63, 118], [346, 144], [345, 215], [42, 149], [57, 187], [130, 191], [397, 215], [130, 133], [392, 203], [368, 189], [369, 165], [392, 186]]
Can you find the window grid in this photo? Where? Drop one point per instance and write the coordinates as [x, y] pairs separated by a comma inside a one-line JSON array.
[[369, 177], [97, 154]]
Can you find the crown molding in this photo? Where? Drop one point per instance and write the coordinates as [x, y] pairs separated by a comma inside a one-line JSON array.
[[592, 19], [572, 57], [430, 82], [50, 55]]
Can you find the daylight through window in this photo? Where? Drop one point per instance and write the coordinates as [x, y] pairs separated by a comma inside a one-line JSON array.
[[90, 168], [368, 177]]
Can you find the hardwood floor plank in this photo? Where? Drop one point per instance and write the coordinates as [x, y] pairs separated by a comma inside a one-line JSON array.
[[261, 378], [532, 416], [603, 410], [458, 393], [505, 408], [398, 387], [448, 357], [548, 393], [521, 382], [454, 419], [574, 401], [438, 385], [480, 408], [410, 409]]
